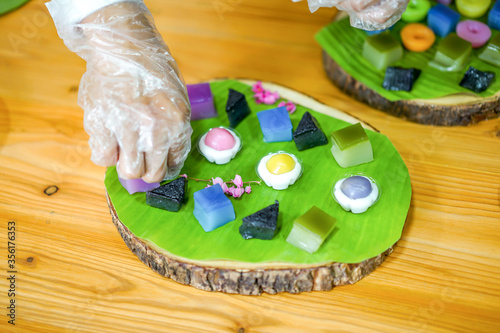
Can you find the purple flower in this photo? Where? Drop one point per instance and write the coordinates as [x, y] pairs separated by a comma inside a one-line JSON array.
[[248, 189]]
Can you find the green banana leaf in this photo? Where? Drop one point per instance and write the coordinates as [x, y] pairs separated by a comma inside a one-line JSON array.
[[345, 45], [355, 238], [9, 5]]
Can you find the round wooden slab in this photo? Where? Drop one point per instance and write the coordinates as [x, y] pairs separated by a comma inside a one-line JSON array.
[[453, 110], [253, 278]]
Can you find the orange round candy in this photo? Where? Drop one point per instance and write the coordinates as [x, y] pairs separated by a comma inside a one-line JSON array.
[[417, 37]]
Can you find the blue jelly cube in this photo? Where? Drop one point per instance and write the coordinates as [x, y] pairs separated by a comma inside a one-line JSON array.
[[212, 208], [275, 125], [494, 17], [442, 20], [375, 32]]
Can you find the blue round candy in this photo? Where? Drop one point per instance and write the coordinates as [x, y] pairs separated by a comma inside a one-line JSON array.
[[356, 187]]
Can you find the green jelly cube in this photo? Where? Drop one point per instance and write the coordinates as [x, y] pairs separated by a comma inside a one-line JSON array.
[[311, 229], [491, 53], [452, 54], [351, 146], [382, 50]]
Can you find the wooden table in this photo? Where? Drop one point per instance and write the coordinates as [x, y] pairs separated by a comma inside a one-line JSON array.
[[74, 273]]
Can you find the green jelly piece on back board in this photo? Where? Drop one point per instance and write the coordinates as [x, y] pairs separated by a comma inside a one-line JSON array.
[[345, 45], [355, 238]]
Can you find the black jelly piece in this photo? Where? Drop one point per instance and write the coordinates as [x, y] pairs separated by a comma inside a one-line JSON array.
[[261, 224], [308, 133], [169, 196], [237, 108], [400, 79], [476, 80]]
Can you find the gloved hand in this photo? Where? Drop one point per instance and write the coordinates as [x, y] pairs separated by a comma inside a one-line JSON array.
[[137, 111], [366, 14]]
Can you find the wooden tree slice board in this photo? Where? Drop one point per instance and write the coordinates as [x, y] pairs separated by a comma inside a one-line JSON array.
[[447, 111], [253, 278], [452, 110]]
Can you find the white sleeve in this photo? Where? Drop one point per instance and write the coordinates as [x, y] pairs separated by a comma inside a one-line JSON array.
[[67, 13]]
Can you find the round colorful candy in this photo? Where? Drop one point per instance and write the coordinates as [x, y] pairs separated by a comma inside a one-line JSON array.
[[416, 10], [220, 139], [475, 32], [417, 37], [473, 8]]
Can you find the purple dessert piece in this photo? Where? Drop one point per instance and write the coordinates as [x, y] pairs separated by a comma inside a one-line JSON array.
[[356, 187], [202, 101], [445, 2], [137, 185]]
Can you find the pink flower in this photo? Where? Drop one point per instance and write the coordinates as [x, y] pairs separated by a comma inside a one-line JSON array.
[[238, 192], [184, 175], [248, 189], [290, 106], [238, 181], [221, 182], [257, 87]]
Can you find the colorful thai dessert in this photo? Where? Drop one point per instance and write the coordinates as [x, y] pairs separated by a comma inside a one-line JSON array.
[[237, 108], [382, 50], [397, 78], [275, 124], [311, 229], [279, 170], [442, 20], [351, 146], [416, 11], [356, 193], [452, 54], [202, 101], [219, 145], [137, 185], [308, 133], [476, 80], [212, 208], [491, 53], [169, 197], [261, 224]]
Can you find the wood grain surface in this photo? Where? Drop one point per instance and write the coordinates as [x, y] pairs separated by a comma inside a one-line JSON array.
[[74, 272]]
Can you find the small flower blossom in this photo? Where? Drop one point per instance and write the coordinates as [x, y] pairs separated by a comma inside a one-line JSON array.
[[248, 189], [257, 87], [221, 182], [184, 176], [238, 192], [290, 106], [238, 181]]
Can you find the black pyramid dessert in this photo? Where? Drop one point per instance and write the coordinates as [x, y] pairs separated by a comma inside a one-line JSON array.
[[169, 196], [476, 80], [262, 224], [308, 133], [237, 108], [400, 79]]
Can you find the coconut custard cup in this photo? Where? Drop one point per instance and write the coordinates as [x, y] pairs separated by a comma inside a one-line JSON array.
[[356, 195], [279, 181], [222, 156]]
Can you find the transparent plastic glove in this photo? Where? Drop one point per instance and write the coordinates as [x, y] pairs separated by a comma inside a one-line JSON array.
[[366, 14], [135, 101]]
